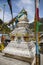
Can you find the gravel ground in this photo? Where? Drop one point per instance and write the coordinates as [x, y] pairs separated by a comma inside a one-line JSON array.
[[10, 61]]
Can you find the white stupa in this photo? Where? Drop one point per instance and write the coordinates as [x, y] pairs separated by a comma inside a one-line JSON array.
[[21, 46]]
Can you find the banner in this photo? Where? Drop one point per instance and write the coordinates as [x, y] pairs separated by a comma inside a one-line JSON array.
[[37, 9], [10, 5]]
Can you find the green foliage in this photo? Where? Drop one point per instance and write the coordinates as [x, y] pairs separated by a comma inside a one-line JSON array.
[[31, 25], [4, 28]]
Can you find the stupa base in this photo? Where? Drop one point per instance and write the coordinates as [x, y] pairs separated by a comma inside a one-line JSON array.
[[25, 59], [20, 51]]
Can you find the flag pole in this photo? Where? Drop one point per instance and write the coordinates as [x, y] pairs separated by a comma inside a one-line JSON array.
[[36, 31]]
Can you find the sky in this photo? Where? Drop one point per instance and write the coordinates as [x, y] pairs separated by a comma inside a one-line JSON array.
[[17, 6]]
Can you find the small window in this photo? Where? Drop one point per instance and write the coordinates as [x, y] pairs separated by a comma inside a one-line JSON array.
[[13, 37], [19, 40], [26, 39]]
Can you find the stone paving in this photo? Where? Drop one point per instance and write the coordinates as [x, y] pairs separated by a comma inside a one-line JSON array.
[[41, 59], [9, 61]]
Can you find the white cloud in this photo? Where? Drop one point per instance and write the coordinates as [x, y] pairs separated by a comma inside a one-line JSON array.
[[28, 5], [26, 1], [31, 20], [7, 15], [15, 14], [1, 13]]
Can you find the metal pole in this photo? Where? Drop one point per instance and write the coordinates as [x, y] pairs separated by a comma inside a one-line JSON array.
[[3, 11]]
